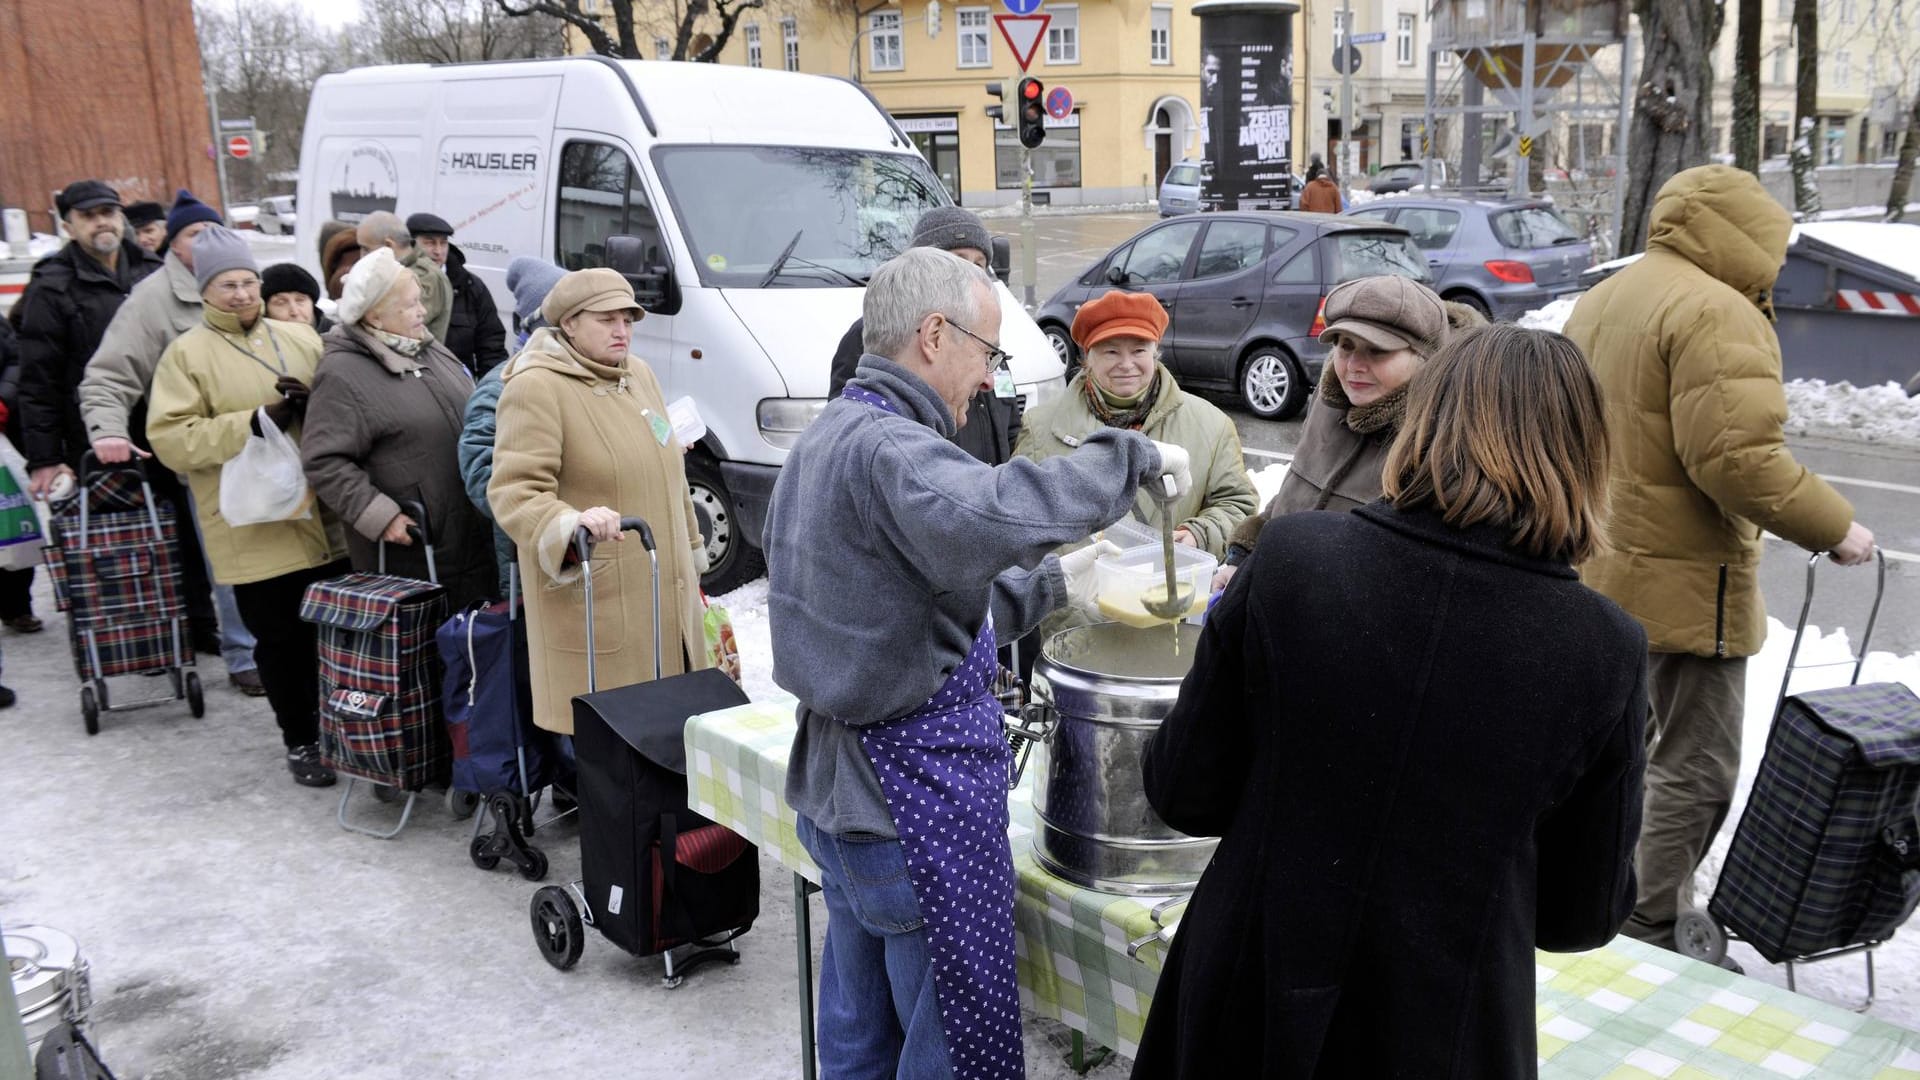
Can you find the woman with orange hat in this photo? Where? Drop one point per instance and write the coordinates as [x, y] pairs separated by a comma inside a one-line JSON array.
[[1123, 384]]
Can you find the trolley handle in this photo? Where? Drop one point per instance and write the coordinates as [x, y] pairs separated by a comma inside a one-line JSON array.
[[583, 552], [91, 465], [1806, 606], [583, 539], [419, 532]]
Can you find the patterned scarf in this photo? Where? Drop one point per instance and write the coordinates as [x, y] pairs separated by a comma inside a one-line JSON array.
[[405, 346], [1383, 415], [1129, 414]]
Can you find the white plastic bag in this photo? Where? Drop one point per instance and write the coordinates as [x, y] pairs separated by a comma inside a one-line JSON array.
[[264, 482]]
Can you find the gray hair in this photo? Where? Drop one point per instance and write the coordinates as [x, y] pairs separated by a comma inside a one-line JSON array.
[[383, 226], [912, 285]]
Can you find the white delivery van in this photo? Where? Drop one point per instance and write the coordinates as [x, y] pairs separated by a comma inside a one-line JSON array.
[[747, 206]]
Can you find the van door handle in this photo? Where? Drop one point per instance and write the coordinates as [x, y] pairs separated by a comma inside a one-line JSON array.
[[1241, 301]]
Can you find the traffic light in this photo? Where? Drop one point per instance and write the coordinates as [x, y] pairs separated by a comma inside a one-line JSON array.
[[998, 92], [1033, 112]]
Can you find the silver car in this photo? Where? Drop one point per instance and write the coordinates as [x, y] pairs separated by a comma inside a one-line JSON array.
[[276, 215], [1505, 258], [1180, 191]]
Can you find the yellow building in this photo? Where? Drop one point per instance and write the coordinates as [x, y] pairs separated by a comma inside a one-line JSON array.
[[1132, 66]]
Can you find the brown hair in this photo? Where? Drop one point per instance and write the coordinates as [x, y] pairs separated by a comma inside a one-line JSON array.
[[1506, 426]]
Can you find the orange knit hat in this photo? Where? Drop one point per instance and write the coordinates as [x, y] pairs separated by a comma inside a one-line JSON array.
[[1119, 314]]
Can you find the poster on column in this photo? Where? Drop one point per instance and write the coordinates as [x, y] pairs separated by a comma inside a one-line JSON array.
[[1246, 102]]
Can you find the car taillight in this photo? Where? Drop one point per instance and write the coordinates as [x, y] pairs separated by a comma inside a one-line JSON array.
[[1517, 273], [1319, 320]]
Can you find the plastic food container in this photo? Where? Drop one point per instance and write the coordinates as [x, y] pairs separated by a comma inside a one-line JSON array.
[[1123, 581]]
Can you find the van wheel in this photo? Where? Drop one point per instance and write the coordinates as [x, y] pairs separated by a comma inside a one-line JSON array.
[[732, 561], [1272, 384], [1061, 341]]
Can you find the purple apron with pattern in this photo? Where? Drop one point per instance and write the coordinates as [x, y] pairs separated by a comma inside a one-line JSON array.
[[943, 769]]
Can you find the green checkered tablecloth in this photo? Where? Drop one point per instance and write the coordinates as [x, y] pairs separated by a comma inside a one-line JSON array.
[[1624, 1011]]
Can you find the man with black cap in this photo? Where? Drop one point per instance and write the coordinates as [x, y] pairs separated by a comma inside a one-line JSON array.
[[993, 419], [148, 220], [68, 302], [475, 333]]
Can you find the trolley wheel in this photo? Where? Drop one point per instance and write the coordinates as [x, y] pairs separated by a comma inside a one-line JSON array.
[[90, 710], [557, 928], [196, 700], [477, 851], [535, 868], [672, 982], [1699, 937], [461, 804], [387, 794]]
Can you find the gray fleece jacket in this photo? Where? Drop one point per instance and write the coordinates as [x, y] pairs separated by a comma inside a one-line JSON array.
[[886, 547]]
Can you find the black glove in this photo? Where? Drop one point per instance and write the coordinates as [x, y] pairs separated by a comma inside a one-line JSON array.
[[294, 392], [280, 412]]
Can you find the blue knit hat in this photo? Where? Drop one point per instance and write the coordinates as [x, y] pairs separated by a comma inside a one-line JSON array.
[[187, 210], [530, 280]]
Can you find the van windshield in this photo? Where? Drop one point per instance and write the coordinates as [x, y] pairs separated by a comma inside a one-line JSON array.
[[1184, 176], [836, 215]]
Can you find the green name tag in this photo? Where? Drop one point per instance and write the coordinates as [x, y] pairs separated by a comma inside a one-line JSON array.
[[662, 430]]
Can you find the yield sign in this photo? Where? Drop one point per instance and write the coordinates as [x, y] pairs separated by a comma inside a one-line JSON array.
[[1023, 34]]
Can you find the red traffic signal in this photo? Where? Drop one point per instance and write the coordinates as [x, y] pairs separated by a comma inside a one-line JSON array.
[[1033, 112]]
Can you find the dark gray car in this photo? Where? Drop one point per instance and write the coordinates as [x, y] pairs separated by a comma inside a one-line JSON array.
[[1505, 258], [1243, 292]]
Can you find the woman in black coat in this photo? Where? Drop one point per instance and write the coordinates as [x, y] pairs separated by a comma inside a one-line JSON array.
[[1419, 738]]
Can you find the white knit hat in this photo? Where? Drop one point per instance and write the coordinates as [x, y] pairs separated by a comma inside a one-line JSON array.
[[367, 283]]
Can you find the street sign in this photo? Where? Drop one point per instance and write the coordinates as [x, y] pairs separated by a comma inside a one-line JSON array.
[[1369, 39], [1022, 7], [239, 146], [1346, 59], [1023, 34], [1059, 103]]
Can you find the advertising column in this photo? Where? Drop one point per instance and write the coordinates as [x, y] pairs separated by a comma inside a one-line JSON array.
[[1246, 103]]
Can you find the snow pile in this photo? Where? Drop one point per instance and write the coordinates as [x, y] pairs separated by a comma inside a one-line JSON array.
[[1267, 481], [1878, 414], [1552, 317], [747, 607], [1890, 244]]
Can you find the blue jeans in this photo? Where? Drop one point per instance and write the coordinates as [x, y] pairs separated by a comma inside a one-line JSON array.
[[236, 642], [879, 1016]]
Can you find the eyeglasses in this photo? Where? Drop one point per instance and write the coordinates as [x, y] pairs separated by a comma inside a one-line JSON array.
[[996, 356], [237, 288]]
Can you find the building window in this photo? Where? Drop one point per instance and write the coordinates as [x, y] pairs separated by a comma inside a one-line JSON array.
[[1056, 162], [1846, 12], [884, 46], [1780, 64], [1403, 40], [976, 48], [1063, 47], [1773, 141], [1160, 35], [790, 41], [662, 50], [1339, 28], [753, 44], [1842, 69]]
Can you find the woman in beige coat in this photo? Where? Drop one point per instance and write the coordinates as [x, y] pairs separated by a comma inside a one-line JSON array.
[[582, 441]]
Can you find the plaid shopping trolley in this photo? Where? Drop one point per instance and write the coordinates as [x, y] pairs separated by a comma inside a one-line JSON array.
[[112, 560], [380, 674]]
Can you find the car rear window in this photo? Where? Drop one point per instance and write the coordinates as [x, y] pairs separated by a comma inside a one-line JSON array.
[[1367, 254], [1532, 227], [1184, 175]]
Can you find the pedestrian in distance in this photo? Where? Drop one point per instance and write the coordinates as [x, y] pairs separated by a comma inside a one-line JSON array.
[[1381, 331], [576, 385], [382, 229], [291, 295], [895, 559], [1420, 740], [475, 334], [1321, 195], [208, 394], [1683, 344], [69, 300], [148, 223], [383, 425], [113, 407]]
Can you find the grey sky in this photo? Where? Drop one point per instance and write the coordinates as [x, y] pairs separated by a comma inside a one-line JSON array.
[[332, 13]]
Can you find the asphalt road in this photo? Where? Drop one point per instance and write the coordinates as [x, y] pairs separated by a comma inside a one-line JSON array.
[[1883, 484]]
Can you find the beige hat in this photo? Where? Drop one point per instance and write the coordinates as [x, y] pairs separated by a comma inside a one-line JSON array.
[[368, 283], [1388, 312], [598, 289]]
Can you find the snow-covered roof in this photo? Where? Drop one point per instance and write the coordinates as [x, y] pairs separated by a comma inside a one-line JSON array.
[[1892, 244]]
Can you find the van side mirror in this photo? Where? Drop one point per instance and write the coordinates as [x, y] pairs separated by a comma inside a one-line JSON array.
[[640, 260], [1117, 276], [1001, 259]]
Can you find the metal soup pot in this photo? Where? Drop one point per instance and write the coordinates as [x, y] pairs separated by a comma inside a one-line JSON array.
[[1097, 695]]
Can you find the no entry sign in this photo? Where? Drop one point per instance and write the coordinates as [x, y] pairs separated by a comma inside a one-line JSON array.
[[239, 146]]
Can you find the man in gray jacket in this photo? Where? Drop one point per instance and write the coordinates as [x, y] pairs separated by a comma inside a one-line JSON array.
[[113, 396], [894, 558]]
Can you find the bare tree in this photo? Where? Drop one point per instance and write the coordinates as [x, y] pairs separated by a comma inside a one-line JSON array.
[[262, 61], [1903, 170], [1803, 155], [1746, 87], [1673, 106], [698, 30], [457, 31]]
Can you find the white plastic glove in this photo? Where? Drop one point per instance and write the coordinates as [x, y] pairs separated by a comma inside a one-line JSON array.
[[1173, 463], [700, 562], [1082, 582]]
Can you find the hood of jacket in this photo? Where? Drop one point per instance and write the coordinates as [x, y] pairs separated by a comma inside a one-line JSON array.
[[549, 350], [1721, 220]]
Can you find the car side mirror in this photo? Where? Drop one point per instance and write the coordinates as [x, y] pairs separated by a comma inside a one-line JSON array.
[[1000, 259], [640, 260], [1117, 276]]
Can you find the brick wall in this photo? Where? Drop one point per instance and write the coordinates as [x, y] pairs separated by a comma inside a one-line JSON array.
[[108, 89]]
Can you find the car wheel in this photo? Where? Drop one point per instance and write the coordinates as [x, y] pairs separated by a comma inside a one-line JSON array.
[[1272, 384], [732, 560], [1062, 343]]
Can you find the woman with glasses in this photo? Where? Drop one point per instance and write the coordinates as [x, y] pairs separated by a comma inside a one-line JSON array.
[[383, 431], [1122, 383], [215, 385], [582, 439]]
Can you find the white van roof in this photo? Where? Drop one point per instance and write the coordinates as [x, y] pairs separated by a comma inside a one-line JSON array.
[[700, 103]]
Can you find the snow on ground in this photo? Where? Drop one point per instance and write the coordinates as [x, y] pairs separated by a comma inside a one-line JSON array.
[[1877, 414], [1552, 317], [1267, 481], [1892, 244]]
